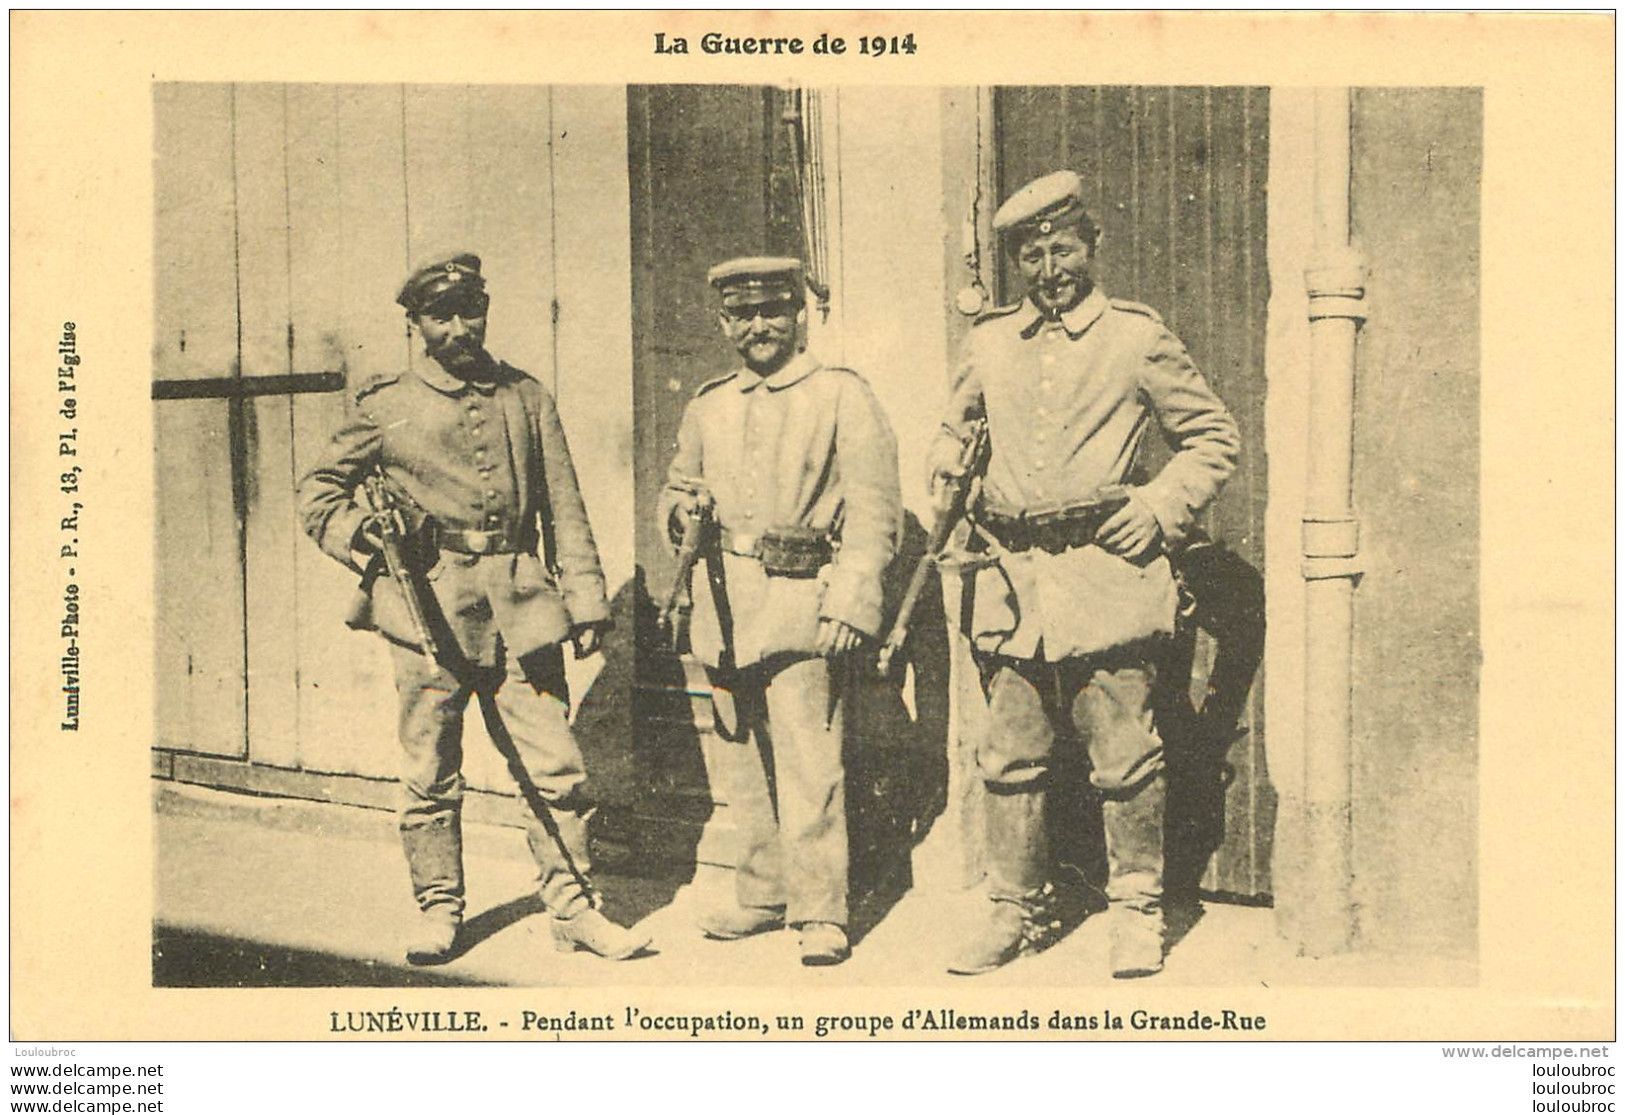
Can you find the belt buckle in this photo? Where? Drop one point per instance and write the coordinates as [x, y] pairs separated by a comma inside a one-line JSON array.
[[745, 545], [480, 541]]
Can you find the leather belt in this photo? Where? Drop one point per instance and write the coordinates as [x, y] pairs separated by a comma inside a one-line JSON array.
[[1066, 528], [479, 542], [785, 551]]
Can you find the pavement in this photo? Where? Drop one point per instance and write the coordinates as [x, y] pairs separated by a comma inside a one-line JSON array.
[[275, 892]]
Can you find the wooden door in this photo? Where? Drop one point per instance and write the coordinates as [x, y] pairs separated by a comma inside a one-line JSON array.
[[1176, 178], [709, 181], [287, 216]]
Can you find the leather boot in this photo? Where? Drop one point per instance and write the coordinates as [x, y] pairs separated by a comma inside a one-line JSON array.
[[591, 931], [434, 858], [564, 863], [1134, 885], [733, 921], [823, 943], [1018, 916]]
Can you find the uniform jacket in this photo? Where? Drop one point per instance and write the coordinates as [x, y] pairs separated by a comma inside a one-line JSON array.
[[1068, 405], [807, 446], [473, 456]]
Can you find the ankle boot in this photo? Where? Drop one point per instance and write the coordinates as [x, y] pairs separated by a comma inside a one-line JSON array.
[[564, 865], [434, 940], [1011, 927], [591, 931]]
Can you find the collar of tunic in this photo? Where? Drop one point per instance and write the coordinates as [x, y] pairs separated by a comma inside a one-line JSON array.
[[802, 365], [430, 372], [1075, 320]]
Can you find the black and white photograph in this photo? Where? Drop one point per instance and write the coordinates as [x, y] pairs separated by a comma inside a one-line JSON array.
[[801, 532], [733, 528]]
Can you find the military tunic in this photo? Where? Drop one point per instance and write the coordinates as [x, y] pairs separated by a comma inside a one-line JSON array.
[[1068, 404], [485, 454], [806, 447]]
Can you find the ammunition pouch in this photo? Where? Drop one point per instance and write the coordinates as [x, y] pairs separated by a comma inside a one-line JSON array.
[[1052, 530], [783, 551]]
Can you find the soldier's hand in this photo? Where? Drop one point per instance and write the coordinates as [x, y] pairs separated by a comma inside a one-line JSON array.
[[837, 638], [369, 536], [687, 501], [945, 464], [587, 637], [1131, 532], [677, 523]]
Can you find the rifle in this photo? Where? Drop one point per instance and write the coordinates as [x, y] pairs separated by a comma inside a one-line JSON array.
[[392, 534], [948, 508], [679, 605]]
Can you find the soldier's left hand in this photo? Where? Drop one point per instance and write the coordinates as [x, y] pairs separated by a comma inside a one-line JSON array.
[[836, 638], [587, 638], [1131, 532]]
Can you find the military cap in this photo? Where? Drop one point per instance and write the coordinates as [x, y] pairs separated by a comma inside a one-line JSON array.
[[753, 280], [1043, 205], [432, 281]]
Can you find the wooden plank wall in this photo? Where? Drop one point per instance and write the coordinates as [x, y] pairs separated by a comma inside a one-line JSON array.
[[286, 217], [199, 631], [1176, 177]]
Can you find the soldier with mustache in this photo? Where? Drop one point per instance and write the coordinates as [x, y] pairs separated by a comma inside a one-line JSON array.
[[800, 466], [1074, 597]]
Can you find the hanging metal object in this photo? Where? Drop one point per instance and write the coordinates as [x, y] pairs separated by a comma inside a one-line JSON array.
[[803, 121], [974, 298]]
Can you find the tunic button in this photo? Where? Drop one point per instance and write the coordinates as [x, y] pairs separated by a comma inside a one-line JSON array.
[[1038, 465], [478, 430], [490, 495]]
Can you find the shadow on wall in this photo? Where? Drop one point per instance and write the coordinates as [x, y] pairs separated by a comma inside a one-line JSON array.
[[644, 765], [897, 747]]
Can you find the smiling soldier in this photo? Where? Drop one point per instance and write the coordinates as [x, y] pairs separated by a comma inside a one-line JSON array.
[[800, 466], [1075, 595], [471, 453]]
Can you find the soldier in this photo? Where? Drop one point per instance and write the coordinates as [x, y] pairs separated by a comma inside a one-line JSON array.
[[801, 468], [1075, 596], [472, 450]]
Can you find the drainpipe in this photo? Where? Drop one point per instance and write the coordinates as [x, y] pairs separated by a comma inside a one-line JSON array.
[[1336, 280]]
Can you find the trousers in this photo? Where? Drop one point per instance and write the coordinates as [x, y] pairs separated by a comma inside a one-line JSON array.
[[780, 774], [1103, 701], [525, 703]]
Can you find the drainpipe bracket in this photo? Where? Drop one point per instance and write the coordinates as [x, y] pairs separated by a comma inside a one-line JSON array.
[[1331, 549], [1336, 281], [1332, 569], [1327, 538]]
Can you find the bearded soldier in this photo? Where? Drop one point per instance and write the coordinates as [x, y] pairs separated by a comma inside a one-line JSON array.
[[1075, 596], [799, 466], [500, 571]]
